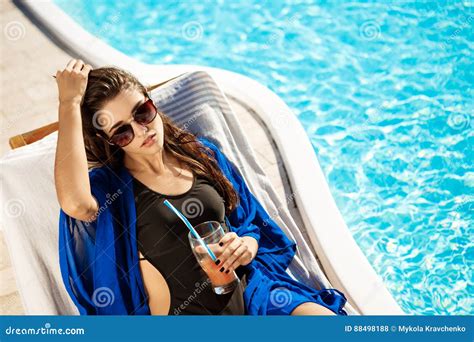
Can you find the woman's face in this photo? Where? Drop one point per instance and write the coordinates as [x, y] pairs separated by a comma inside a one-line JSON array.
[[118, 112]]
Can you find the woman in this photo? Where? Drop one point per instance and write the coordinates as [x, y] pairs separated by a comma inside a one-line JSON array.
[[114, 213]]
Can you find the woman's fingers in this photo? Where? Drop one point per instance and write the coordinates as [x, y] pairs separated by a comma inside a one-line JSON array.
[[226, 247], [221, 246], [214, 247], [243, 260], [229, 251], [70, 64], [236, 259], [86, 69], [78, 65], [228, 237]]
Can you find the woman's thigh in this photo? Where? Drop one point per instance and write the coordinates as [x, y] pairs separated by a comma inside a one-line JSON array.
[[311, 308]]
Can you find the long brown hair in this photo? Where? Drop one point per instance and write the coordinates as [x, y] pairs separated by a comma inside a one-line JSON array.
[[107, 82]]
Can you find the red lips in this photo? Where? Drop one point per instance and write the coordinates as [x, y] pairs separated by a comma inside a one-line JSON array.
[[148, 139]]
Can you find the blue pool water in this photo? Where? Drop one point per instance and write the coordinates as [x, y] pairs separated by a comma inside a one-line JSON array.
[[385, 94]]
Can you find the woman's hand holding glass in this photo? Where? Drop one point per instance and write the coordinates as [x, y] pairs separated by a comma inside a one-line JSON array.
[[233, 251]]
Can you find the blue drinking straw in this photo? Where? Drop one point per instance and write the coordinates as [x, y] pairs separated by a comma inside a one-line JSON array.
[[191, 228]]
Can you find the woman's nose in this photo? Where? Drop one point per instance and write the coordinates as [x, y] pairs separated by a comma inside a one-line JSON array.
[[140, 130]]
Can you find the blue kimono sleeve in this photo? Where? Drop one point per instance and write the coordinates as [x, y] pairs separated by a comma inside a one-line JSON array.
[[78, 249], [249, 211], [95, 257]]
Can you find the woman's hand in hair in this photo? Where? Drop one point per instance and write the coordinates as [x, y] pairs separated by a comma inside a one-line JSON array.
[[72, 81]]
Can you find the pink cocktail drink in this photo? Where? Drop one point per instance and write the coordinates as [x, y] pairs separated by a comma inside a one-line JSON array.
[[211, 232]]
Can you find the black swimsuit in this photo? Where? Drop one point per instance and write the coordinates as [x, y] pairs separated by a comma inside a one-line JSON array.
[[162, 239]]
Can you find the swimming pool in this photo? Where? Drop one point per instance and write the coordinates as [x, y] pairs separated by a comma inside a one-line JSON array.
[[383, 92]]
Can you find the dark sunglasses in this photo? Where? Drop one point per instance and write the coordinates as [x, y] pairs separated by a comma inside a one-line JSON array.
[[124, 134]]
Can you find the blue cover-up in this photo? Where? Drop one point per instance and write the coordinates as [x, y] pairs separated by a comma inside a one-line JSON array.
[[99, 260]]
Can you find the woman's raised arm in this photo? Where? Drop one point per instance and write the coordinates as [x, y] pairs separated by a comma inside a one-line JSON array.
[[71, 173]]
